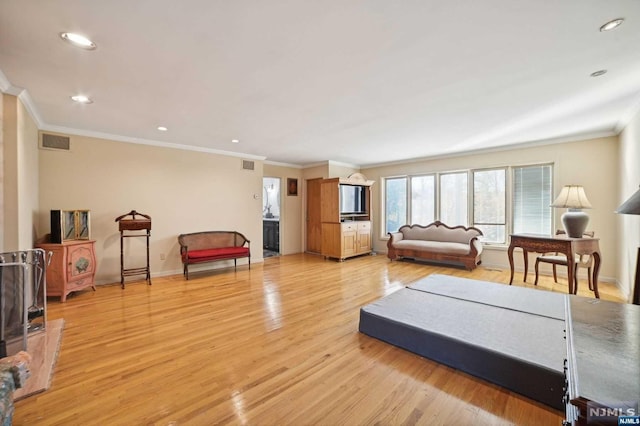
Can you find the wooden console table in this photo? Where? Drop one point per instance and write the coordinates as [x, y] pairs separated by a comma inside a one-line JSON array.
[[561, 244]]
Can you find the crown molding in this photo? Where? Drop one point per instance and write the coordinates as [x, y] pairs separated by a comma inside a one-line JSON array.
[[529, 144], [149, 142], [338, 163], [276, 163], [628, 115], [28, 103], [321, 163], [5, 85], [23, 95]]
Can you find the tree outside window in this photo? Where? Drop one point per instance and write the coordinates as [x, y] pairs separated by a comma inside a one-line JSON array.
[[453, 199], [489, 204], [423, 199], [396, 203]]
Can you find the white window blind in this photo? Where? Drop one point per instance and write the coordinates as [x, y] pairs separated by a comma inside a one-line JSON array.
[[531, 199]]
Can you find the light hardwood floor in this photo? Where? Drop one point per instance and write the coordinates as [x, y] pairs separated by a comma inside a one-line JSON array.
[[274, 345]]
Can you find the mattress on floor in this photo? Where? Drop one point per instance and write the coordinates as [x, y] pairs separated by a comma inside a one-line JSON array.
[[507, 335]]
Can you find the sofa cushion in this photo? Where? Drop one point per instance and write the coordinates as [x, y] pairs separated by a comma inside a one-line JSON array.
[[218, 253], [433, 246]]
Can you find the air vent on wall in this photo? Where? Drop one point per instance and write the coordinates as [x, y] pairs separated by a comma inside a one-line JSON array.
[[55, 142], [248, 165]]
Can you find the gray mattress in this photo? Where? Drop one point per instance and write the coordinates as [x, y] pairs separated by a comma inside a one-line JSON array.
[[507, 335]]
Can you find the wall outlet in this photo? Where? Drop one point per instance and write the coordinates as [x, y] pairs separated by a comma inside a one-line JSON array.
[[162, 256]]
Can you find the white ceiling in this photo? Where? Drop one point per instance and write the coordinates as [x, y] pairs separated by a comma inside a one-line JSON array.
[[304, 81]]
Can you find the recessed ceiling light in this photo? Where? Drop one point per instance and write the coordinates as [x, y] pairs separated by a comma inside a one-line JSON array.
[[612, 24], [598, 73], [82, 99], [235, 141], [78, 40], [162, 128]]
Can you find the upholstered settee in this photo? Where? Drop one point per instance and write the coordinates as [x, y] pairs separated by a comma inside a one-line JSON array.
[[437, 242], [210, 246]]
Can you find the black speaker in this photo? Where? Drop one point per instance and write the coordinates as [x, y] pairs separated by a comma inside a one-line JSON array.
[[56, 226]]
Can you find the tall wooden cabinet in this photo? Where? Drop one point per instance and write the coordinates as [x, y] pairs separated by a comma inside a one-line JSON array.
[[72, 267], [314, 224], [345, 232]]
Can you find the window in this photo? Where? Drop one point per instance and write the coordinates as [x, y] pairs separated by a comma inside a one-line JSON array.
[[453, 198], [423, 199], [474, 198], [489, 204], [395, 203], [531, 199]]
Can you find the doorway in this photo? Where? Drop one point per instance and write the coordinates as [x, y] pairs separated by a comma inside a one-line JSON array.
[[270, 217]]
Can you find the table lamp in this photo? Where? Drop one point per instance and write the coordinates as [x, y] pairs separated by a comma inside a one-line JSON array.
[[574, 220], [632, 206]]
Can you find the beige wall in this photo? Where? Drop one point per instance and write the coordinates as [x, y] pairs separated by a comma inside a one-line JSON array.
[[2, 181], [591, 163], [291, 214], [628, 180], [183, 191], [341, 170], [28, 182], [19, 175], [10, 172], [318, 171], [330, 169]]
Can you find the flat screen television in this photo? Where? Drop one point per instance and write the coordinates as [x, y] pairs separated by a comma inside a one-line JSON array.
[[353, 200]]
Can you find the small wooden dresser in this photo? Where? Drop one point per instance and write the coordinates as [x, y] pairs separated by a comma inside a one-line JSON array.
[[72, 268]]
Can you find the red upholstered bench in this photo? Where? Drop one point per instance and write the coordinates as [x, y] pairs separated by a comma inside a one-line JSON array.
[[209, 246]]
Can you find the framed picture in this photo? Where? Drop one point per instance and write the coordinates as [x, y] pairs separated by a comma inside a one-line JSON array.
[[292, 186]]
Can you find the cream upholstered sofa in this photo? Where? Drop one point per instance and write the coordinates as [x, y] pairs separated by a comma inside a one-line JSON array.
[[437, 242]]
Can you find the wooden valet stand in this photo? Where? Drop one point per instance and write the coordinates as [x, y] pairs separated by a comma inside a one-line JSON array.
[[127, 230]]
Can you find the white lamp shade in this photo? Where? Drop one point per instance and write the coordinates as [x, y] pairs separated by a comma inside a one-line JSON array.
[[572, 197]]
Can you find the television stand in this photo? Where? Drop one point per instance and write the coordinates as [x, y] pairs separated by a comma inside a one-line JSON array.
[[346, 239]]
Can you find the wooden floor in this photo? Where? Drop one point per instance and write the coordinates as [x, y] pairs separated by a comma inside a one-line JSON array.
[[274, 345]]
